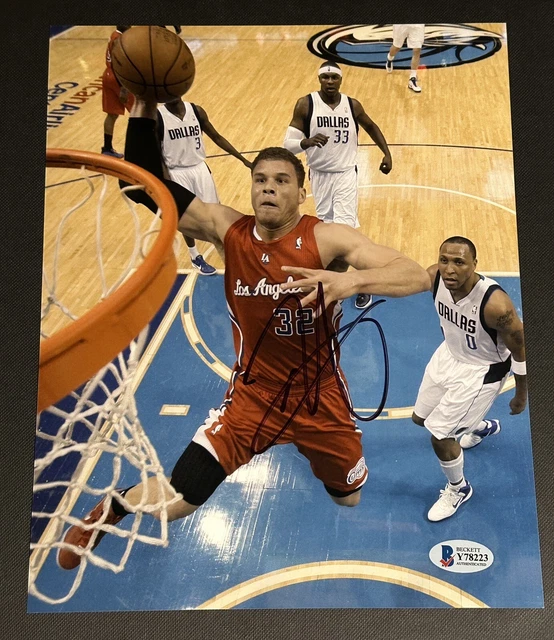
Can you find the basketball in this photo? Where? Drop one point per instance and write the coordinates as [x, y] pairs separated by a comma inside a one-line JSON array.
[[153, 63]]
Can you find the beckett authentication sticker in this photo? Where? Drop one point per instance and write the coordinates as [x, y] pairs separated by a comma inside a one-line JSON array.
[[461, 556]]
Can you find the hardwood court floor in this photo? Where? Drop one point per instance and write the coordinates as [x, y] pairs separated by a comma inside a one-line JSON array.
[[451, 144]]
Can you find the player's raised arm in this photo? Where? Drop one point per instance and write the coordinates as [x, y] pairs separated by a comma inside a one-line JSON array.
[[196, 219], [500, 315], [379, 270]]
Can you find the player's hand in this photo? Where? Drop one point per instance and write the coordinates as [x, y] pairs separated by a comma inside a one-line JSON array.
[[336, 286], [517, 405], [386, 164], [319, 140]]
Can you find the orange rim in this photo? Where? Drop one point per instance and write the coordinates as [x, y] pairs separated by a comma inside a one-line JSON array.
[[74, 354]]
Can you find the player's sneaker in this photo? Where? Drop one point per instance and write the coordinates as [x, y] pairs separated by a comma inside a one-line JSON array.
[[80, 537], [414, 86], [469, 440], [202, 266], [111, 152], [388, 66], [449, 501], [363, 300]]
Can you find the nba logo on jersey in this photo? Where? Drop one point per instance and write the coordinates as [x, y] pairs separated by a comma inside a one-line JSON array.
[[474, 309], [299, 242], [265, 258]]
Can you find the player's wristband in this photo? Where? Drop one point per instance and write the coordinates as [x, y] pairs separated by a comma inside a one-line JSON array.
[[519, 368]]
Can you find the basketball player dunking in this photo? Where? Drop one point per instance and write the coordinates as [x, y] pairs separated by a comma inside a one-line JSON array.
[[325, 125], [263, 254], [483, 339]]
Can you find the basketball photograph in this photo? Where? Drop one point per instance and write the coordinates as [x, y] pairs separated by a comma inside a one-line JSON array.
[[282, 332]]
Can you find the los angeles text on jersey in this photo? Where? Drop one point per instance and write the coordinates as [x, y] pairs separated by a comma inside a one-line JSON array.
[[334, 122], [456, 318], [184, 132], [263, 288]]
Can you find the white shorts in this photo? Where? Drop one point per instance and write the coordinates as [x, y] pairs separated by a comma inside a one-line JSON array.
[[453, 397], [198, 179], [414, 32], [336, 196]]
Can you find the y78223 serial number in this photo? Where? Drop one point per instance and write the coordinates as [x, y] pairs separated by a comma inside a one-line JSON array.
[[473, 557]]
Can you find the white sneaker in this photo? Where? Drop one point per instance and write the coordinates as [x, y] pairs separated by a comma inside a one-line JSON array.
[[449, 501], [414, 86], [389, 66], [469, 440]]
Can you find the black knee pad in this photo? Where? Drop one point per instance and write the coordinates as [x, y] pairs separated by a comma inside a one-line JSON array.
[[197, 474], [340, 494]]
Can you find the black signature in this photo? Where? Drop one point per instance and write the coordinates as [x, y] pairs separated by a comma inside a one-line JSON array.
[[312, 388]]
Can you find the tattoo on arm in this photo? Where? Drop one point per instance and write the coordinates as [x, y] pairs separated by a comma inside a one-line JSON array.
[[517, 337], [505, 320]]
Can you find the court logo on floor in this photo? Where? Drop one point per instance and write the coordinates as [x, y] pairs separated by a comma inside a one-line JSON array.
[[461, 556], [367, 45]]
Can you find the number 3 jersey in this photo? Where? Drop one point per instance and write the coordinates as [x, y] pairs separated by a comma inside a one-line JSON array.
[[339, 124], [466, 334], [271, 336]]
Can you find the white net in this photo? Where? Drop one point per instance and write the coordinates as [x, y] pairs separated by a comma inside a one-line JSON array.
[[99, 420]]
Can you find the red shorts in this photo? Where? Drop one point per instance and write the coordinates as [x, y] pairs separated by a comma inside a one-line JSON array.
[[110, 96], [329, 439]]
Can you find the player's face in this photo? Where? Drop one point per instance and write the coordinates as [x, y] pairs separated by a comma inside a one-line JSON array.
[[456, 265], [330, 83], [276, 195]]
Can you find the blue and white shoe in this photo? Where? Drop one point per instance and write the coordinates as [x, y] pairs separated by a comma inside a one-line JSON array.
[[202, 266], [469, 440], [111, 152], [450, 500]]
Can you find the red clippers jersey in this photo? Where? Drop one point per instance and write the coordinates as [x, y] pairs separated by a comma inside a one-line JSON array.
[[113, 37], [252, 287]]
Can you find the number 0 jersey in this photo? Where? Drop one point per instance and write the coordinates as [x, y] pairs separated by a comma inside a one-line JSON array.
[[339, 124], [253, 277], [466, 334]]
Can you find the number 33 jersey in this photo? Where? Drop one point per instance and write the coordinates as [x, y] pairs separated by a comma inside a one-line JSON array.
[[467, 336], [339, 124], [270, 335]]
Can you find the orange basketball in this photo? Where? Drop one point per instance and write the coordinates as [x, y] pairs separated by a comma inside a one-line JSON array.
[[153, 63]]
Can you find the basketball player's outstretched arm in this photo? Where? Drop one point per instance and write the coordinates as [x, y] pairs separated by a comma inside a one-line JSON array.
[[379, 270], [197, 219], [500, 314], [221, 142], [375, 134]]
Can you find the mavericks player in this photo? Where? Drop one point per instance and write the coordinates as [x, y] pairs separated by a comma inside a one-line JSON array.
[[483, 339], [180, 128], [325, 125]]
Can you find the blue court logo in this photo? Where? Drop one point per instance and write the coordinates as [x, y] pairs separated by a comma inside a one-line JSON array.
[[367, 45]]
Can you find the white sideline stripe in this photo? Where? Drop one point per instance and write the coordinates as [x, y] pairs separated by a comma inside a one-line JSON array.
[[349, 569]]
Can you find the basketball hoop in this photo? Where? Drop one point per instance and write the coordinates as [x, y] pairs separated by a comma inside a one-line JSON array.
[[90, 364]]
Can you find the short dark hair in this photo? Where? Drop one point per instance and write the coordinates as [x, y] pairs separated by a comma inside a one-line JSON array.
[[462, 240], [280, 153]]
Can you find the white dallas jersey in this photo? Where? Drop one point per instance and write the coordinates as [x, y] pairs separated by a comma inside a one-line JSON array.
[[339, 154], [466, 334], [181, 141]]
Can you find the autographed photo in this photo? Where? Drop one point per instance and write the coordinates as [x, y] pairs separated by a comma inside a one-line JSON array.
[[199, 445]]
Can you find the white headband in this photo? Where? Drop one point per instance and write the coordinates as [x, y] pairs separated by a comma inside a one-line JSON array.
[[329, 69]]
